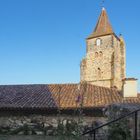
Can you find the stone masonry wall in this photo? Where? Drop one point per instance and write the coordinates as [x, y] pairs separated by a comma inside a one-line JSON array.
[[104, 65], [103, 83], [15, 122]]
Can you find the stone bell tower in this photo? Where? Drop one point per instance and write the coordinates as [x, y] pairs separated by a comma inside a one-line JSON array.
[[104, 64]]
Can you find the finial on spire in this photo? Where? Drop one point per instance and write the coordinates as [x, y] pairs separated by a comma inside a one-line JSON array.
[[103, 8]]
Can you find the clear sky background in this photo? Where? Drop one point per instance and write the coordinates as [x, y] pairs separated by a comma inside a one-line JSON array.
[[43, 41]]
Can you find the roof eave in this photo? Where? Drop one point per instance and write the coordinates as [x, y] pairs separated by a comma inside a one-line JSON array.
[[96, 36]]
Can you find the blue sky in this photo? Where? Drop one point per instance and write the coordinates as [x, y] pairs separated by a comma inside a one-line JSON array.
[[43, 41]]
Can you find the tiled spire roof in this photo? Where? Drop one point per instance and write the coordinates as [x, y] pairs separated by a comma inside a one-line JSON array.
[[103, 26]]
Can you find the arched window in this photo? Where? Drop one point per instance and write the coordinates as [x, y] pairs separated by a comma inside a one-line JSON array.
[[96, 54], [98, 42], [100, 54]]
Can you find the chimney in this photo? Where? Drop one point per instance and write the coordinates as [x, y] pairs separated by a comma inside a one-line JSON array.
[[130, 87]]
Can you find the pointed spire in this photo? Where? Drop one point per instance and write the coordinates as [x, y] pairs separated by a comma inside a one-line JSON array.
[[103, 26]]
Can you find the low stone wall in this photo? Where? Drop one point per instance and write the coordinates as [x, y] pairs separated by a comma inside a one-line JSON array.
[[14, 121], [38, 138], [10, 123]]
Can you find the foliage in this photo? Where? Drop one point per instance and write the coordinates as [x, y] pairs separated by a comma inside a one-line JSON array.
[[69, 129], [118, 130], [4, 130]]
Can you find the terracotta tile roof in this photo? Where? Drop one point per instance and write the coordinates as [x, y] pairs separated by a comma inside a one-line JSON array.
[[103, 26], [59, 95]]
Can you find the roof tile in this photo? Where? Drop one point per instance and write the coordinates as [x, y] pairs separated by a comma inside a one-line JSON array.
[[60, 95]]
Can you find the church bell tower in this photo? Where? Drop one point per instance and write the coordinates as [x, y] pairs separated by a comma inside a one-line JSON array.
[[104, 64]]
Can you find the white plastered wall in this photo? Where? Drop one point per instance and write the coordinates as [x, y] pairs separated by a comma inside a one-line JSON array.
[[130, 88]]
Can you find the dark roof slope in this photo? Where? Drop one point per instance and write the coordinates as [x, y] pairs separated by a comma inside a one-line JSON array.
[[59, 95]]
